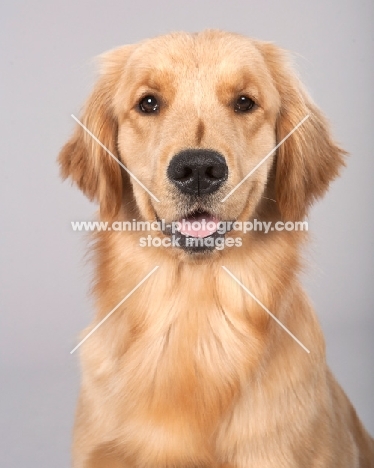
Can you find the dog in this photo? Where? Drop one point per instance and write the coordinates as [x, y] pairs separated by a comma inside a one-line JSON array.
[[194, 367]]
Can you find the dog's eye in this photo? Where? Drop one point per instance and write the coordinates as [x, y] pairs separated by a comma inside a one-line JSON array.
[[148, 104], [244, 104]]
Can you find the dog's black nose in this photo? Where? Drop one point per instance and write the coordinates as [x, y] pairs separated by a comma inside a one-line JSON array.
[[198, 171]]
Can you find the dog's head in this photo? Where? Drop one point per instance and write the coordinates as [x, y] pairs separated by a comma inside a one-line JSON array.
[[190, 116]]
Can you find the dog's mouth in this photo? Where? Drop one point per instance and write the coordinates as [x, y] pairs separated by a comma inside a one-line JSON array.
[[197, 232], [199, 224]]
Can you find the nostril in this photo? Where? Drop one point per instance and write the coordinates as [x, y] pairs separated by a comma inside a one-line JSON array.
[[215, 172], [183, 173]]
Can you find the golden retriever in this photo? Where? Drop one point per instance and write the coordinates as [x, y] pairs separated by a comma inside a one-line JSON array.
[[190, 370]]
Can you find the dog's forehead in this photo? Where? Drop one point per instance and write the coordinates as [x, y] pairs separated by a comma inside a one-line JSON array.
[[215, 55]]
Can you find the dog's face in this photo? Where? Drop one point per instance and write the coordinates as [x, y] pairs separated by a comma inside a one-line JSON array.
[[193, 120], [190, 116]]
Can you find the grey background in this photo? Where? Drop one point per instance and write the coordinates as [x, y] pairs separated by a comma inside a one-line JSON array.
[[46, 52]]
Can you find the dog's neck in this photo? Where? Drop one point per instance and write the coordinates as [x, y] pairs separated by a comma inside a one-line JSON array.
[[190, 341]]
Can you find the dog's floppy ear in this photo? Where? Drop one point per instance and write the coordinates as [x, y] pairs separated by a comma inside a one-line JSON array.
[[88, 164], [309, 159]]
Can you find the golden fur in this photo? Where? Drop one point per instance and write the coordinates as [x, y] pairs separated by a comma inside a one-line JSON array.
[[190, 371]]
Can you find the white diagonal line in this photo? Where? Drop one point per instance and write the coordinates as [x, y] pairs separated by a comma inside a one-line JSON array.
[[115, 308], [116, 159], [265, 308], [265, 158]]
